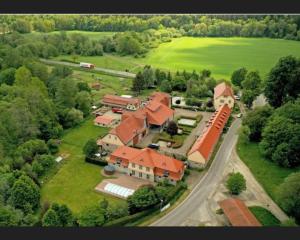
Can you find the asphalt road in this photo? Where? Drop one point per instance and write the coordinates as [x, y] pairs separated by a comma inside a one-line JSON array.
[[206, 186], [101, 70]]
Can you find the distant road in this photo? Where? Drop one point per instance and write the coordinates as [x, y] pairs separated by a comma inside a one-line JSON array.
[[98, 69], [207, 184]]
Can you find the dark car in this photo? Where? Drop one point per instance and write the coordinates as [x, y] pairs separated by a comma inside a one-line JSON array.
[[103, 154], [153, 146]]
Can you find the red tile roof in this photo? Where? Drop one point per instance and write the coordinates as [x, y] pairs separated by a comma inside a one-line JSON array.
[[150, 158], [223, 89], [105, 120], [157, 113], [132, 123], [129, 128], [118, 100], [206, 142], [238, 214], [161, 97]]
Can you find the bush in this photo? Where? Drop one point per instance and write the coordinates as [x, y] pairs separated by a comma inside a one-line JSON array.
[[236, 183], [96, 161], [131, 218]]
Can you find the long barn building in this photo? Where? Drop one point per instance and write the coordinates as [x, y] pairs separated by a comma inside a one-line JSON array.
[[202, 149]]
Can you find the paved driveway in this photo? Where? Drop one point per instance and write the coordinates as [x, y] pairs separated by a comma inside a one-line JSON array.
[[195, 206]]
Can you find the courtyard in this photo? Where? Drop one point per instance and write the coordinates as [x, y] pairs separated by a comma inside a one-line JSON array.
[[188, 136]]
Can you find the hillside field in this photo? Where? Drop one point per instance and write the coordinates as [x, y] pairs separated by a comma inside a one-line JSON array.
[[220, 55]]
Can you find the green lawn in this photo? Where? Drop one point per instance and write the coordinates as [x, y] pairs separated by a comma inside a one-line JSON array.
[[75, 181], [267, 173], [264, 216]]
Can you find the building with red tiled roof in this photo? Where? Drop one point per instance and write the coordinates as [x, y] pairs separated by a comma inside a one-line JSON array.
[[121, 102], [147, 164], [129, 132], [161, 97], [202, 149], [223, 94], [238, 213], [135, 125], [158, 114], [104, 121]]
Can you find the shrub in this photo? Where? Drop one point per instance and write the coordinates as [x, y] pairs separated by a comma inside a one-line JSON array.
[[236, 183]]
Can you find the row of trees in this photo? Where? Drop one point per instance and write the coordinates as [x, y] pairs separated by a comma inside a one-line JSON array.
[[194, 85], [192, 25]]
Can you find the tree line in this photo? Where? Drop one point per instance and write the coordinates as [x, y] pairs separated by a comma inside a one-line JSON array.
[[37, 103], [272, 26], [276, 128]]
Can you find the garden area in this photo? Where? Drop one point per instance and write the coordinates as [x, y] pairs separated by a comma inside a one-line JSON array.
[[76, 179], [184, 124]]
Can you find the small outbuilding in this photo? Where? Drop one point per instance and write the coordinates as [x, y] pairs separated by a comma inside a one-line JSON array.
[[104, 121], [238, 213]]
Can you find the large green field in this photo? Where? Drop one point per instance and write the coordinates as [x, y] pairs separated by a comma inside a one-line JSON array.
[[220, 55], [75, 181]]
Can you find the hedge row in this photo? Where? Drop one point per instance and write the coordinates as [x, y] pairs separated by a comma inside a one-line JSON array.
[[96, 161], [172, 196], [132, 218]]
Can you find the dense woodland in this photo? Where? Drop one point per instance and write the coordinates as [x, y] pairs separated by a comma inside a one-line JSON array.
[[191, 25]]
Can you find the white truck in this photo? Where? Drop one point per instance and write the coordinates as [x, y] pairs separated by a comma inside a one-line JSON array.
[[86, 65]]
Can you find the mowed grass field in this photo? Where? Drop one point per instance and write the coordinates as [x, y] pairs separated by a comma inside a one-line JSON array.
[[75, 181], [220, 55]]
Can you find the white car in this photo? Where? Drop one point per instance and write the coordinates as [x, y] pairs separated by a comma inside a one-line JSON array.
[[236, 97], [239, 115]]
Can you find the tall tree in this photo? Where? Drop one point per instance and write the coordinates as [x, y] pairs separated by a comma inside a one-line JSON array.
[[138, 83], [256, 121], [66, 93], [283, 82], [288, 195], [238, 76], [25, 194]]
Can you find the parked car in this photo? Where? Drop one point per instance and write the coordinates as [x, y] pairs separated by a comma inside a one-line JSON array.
[[117, 110], [153, 146], [236, 97], [239, 115]]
